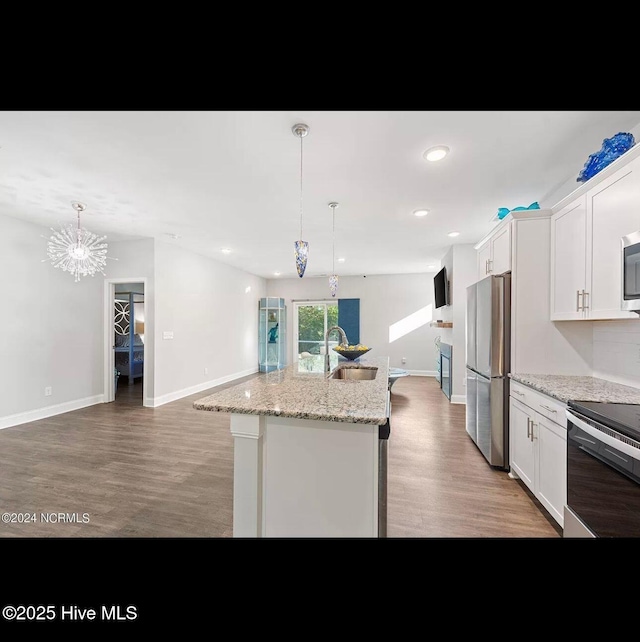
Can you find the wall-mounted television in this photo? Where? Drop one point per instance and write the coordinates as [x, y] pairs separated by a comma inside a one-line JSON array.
[[441, 288]]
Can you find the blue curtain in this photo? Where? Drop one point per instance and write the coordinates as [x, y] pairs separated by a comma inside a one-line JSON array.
[[349, 319]]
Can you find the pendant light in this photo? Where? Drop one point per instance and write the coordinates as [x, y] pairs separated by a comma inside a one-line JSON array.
[[333, 279], [76, 250], [301, 247]]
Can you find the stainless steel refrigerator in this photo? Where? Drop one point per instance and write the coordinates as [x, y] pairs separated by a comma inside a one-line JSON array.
[[488, 330]]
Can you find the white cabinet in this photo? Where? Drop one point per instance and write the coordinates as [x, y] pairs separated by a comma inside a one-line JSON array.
[[538, 450], [484, 256], [501, 250], [521, 446], [494, 255], [586, 249], [568, 260], [551, 474]]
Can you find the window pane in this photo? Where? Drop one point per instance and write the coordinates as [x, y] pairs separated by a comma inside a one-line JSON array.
[[310, 328]]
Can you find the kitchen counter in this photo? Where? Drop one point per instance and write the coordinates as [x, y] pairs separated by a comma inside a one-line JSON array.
[[577, 388], [309, 452], [303, 391]]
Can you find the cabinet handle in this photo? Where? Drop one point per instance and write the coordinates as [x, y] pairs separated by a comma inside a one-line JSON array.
[[585, 306], [486, 266], [532, 425], [516, 392], [547, 408], [578, 308], [528, 430], [489, 266]]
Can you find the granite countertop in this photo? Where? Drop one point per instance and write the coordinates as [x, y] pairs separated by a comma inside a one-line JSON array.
[[575, 388], [302, 390]]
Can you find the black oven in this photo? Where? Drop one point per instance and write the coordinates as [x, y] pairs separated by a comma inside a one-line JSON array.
[[603, 470]]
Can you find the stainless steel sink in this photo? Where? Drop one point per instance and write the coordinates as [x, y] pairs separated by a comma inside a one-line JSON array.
[[357, 373]]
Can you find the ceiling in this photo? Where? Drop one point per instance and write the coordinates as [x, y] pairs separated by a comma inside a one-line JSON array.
[[231, 179]]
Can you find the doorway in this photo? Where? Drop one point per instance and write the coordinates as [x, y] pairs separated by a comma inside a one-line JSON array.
[[125, 317]]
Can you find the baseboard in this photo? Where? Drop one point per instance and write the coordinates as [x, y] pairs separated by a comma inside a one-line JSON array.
[[459, 399], [49, 411], [185, 392], [422, 373]]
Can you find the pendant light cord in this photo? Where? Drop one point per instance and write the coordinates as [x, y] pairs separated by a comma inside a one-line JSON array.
[[333, 253], [301, 137]]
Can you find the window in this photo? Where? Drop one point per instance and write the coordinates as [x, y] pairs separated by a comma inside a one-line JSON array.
[[311, 319]]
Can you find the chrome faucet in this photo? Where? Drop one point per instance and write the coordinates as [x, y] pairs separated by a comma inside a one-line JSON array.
[[343, 341]]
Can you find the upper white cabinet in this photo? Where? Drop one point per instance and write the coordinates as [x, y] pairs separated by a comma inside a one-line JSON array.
[[586, 251], [569, 260], [484, 257], [501, 251], [494, 253]]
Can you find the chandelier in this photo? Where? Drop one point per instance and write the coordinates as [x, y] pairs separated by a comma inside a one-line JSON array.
[[333, 279], [76, 250], [301, 247]]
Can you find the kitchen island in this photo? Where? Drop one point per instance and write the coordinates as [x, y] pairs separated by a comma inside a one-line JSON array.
[[307, 450]]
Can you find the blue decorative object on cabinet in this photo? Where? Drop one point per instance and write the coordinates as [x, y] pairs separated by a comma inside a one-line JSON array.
[[611, 149], [503, 211]]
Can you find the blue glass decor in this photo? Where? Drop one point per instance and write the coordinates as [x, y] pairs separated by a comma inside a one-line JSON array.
[[302, 253], [503, 211], [610, 150]]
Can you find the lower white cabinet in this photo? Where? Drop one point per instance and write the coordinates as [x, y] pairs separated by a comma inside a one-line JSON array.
[[538, 456]]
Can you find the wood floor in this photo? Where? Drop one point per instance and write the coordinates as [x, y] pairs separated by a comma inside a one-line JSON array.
[[120, 470]]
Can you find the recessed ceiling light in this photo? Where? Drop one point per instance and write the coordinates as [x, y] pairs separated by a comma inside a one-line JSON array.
[[436, 153], [421, 212], [276, 273], [341, 260], [430, 267], [225, 250], [454, 233], [173, 236]]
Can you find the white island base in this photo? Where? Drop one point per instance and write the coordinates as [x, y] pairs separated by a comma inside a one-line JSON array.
[[304, 478]]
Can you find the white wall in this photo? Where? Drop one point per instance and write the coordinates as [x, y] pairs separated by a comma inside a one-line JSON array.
[[465, 273], [461, 264], [384, 300], [616, 351], [50, 329], [213, 319], [136, 259]]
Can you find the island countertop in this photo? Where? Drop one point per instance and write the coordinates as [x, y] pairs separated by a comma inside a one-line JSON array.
[[577, 388], [303, 390]]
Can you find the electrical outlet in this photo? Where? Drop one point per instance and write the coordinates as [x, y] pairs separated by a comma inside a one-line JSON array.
[[206, 371], [167, 334], [47, 391], [404, 359]]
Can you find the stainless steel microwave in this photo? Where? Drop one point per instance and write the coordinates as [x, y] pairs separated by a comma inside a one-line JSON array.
[[631, 272]]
